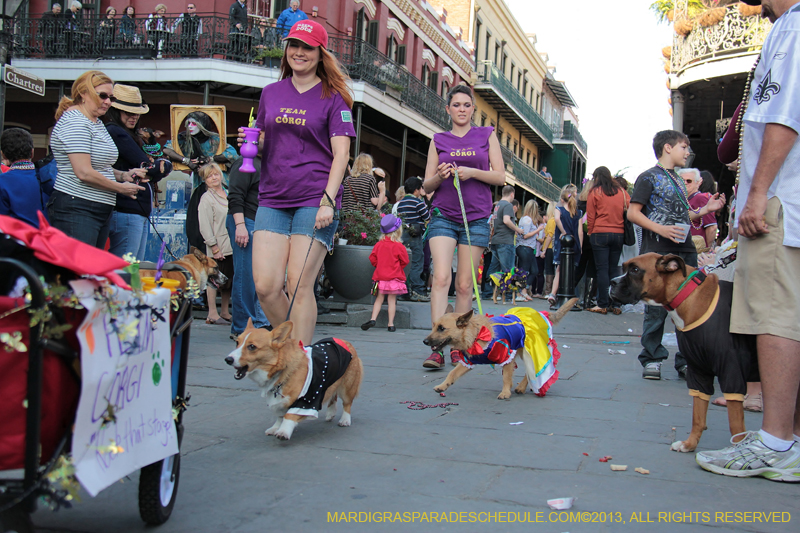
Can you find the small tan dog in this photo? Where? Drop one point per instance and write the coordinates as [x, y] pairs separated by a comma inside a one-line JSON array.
[[202, 268], [280, 366], [497, 340]]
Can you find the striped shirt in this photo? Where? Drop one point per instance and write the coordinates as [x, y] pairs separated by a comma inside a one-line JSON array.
[[359, 191], [76, 134], [412, 210]]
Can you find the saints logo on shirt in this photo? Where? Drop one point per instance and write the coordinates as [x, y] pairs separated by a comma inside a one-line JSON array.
[[766, 89]]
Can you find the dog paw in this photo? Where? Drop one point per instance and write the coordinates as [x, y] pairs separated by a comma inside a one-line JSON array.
[[345, 420], [505, 395], [520, 390], [681, 446], [271, 431], [440, 388], [283, 435]]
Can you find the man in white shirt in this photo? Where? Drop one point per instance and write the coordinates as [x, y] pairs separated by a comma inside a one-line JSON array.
[[766, 297]]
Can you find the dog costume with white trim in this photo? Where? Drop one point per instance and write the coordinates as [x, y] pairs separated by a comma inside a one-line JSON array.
[[521, 327], [328, 360]]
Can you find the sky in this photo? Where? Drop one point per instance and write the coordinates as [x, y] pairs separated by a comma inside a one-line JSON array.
[[609, 55]]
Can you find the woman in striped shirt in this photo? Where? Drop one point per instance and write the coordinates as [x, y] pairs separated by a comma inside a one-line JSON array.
[[86, 184]]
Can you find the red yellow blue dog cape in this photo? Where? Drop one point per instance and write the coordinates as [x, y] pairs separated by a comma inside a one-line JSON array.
[[521, 327]]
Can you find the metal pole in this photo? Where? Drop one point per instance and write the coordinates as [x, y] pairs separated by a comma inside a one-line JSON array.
[[3, 62], [358, 130], [206, 94], [566, 285], [403, 158]]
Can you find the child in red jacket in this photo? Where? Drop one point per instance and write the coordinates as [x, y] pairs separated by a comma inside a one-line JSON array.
[[389, 257]]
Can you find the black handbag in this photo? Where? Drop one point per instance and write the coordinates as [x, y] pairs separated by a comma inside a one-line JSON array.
[[628, 233]]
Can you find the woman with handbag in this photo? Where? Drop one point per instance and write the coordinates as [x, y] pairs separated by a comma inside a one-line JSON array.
[[605, 217]]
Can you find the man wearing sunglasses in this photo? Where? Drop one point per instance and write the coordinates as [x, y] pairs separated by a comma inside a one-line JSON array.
[[706, 226]]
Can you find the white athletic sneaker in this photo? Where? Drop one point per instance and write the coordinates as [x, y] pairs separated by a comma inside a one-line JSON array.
[[652, 371], [751, 457]]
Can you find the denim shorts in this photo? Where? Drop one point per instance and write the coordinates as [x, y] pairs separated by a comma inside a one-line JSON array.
[[441, 226], [294, 221]]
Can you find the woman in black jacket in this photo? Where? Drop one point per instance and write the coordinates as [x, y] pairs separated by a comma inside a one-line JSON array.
[[129, 222]]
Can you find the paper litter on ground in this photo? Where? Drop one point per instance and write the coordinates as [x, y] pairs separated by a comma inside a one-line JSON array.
[[664, 404], [617, 352], [619, 468], [560, 504], [515, 423], [641, 470]]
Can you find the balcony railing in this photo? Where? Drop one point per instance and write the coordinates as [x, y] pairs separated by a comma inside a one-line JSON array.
[[97, 37], [366, 63], [529, 177], [496, 79], [733, 35], [570, 132], [174, 37]]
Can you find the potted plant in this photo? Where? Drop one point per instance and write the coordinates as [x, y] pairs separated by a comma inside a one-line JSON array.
[[270, 56], [395, 90], [348, 267]]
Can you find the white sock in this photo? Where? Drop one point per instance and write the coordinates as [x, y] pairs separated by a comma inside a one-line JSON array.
[[779, 445]]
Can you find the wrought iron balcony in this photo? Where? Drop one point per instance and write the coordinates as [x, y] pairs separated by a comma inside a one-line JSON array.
[[177, 38], [98, 37], [499, 92], [569, 132], [529, 177], [366, 63], [733, 36]]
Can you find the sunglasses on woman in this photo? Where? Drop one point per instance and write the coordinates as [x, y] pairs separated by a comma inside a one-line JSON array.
[[106, 96]]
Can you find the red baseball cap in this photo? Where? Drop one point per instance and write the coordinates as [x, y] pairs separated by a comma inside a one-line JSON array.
[[310, 32]]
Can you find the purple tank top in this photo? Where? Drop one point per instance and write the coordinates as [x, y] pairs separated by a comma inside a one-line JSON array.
[[471, 150]]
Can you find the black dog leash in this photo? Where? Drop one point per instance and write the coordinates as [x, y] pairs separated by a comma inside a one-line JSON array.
[[291, 304]]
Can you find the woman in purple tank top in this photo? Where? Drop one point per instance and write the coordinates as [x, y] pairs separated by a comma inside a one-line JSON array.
[[475, 153]]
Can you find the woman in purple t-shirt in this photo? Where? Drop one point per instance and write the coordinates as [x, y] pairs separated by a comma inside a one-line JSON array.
[[475, 153], [306, 125]]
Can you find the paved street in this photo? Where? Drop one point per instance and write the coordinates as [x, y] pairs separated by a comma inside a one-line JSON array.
[[469, 457]]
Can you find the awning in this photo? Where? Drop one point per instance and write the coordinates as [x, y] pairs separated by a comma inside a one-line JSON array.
[[561, 92]]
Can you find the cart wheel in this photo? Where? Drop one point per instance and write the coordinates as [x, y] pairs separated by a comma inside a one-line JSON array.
[[16, 520], [158, 487]]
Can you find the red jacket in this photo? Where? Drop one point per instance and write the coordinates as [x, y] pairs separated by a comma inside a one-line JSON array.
[[389, 259]]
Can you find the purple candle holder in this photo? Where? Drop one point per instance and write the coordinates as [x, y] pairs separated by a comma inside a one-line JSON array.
[[249, 149]]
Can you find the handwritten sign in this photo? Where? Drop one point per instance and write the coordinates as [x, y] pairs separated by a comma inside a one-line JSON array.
[[124, 420]]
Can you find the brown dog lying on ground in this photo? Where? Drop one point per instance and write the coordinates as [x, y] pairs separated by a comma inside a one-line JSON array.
[[202, 268], [281, 365], [497, 340], [700, 306]]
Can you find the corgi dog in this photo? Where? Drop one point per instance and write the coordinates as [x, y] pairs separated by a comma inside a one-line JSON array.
[[298, 380], [498, 340]]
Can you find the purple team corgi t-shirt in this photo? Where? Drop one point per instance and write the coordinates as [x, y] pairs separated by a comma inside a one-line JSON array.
[[471, 150], [297, 152]]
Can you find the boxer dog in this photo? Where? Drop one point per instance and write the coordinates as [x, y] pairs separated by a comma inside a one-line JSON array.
[[700, 307]]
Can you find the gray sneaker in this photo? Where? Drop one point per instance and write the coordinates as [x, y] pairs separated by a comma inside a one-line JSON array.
[[414, 296], [751, 457], [652, 371]]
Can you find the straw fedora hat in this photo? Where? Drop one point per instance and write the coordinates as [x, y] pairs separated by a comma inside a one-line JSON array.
[[129, 99]]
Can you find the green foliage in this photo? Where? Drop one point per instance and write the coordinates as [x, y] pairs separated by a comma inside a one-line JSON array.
[[360, 226], [662, 8], [274, 53]]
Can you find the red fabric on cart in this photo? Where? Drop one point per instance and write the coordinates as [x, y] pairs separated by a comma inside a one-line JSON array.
[[56, 247], [60, 390]]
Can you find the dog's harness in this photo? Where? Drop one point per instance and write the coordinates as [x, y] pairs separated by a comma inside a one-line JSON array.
[[688, 286]]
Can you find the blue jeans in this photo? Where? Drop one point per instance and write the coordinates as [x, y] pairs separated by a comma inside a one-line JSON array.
[[607, 248], [527, 262], [414, 281], [503, 259], [128, 234], [653, 328], [84, 220], [244, 301]]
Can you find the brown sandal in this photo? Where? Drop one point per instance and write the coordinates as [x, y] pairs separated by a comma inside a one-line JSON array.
[[753, 403], [616, 310], [601, 310]]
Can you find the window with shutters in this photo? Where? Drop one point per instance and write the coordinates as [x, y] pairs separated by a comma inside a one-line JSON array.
[[391, 48], [434, 82], [445, 88], [372, 33], [361, 24], [426, 74], [477, 37], [488, 44], [401, 54]]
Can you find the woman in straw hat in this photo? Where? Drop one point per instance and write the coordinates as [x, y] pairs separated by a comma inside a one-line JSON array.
[[86, 185], [129, 230]]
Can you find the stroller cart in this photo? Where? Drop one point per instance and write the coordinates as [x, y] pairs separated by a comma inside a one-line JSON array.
[[66, 309]]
